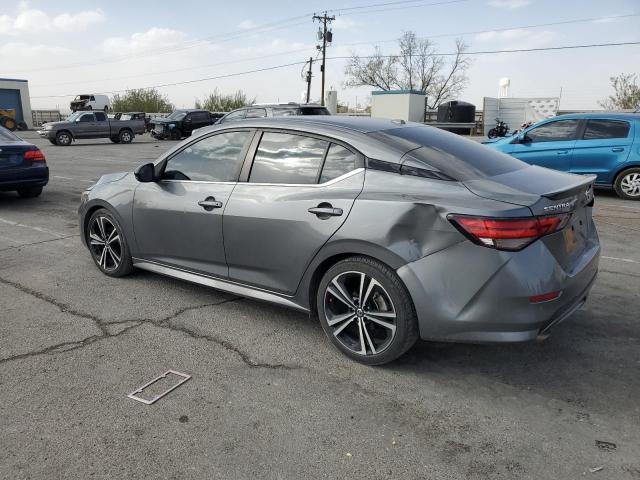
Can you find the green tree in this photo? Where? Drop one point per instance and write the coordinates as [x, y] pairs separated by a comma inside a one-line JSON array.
[[626, 93], [223, 102], [141, 100]]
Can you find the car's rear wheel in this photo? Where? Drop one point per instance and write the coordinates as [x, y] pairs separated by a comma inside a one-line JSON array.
[[108, 245], [627, 184], [63, 138], [125, 136], [366, 311], [30, 192]]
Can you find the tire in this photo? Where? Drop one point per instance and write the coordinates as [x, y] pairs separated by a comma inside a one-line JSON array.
[[23, 126], [175, 134], [9, 123], [125, 136], [106, 109], [52, 142], [627, 184], [103, 229], [89, 108], [30, 192], [386, 334], [63, 138], [492, 133]]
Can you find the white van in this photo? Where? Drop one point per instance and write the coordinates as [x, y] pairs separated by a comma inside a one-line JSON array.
[[90, 101]]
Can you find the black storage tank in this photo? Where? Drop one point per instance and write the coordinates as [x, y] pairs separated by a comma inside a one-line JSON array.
[[456, 111]]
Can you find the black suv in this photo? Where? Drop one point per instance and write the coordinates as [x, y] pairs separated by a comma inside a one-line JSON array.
[[274, 110], [181, 123]]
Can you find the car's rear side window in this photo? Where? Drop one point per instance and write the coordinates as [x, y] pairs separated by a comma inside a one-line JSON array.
[[339, 161], [217, 158], [603, 129], [287, 159], [256, 113], [285, 112], [456, 157], [100, 117]]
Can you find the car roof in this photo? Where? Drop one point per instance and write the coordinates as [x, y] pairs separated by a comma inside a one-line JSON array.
[[600, 115], [335, 122]]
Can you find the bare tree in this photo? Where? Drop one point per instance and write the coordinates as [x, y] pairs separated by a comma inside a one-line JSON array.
[[418, 66], [626, 93]]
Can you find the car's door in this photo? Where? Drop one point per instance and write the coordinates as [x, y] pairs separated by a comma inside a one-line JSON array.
[[85, 126], [178, 219], [200, 119], [101, 125], [603, 146], [549, 144], [300, 190]]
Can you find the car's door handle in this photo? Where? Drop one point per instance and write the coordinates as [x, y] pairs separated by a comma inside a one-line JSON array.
[[563, 152], [210, 203], [325, 210], [617, 149]]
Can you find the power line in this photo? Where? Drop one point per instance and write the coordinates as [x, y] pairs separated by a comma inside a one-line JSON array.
[[521, 27], [275, 67], [288, 52]]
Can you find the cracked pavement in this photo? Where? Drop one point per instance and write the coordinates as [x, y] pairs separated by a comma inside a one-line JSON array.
[[270, 397]]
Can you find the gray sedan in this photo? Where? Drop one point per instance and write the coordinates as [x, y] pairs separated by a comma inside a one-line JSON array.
[[384, 230]]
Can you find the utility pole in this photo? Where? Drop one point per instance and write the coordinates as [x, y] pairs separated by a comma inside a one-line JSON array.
[[309, 79], [326, 36]]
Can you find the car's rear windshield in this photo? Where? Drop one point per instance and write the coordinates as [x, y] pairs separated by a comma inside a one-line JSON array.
[[7, 136], [314, 111], [456, 157]]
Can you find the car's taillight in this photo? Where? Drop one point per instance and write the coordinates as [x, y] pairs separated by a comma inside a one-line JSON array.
[[34, 155], [508, 233]]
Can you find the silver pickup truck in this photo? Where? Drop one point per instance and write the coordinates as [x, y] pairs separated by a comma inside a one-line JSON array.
[[85, 124]]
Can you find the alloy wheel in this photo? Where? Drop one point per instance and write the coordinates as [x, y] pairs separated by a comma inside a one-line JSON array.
[[105, 243], [64, 139], [630, 184], [360, 313]]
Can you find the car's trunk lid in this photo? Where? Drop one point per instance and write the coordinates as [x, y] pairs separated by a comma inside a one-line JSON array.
[[12, 155], [549, 192]]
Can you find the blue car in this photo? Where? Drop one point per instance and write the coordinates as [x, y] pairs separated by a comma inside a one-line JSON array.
[[604, 144], [23, 167]]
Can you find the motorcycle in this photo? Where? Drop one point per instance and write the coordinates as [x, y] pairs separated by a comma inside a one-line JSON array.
[[500, 130]]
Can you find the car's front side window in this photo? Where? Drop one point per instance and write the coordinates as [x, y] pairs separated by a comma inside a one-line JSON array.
[[287, 159], [558, 131], [604, 129], [339, 161], [87, 117], [217, 158], [238, 115]]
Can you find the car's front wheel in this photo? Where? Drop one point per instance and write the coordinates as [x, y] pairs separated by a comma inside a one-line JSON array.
[[366, 311], [63, 138], [108, 245], [627, 184]]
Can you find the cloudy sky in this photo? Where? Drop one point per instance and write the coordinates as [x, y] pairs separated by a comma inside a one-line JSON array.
[[84, 46]]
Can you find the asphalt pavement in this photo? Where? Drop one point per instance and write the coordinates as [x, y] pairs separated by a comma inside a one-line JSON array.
[[269, 396]]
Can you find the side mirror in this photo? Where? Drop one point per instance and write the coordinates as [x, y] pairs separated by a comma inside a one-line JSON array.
[[145, 173]]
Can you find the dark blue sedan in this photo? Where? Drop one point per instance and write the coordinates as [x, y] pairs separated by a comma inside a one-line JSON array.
[[23, 167], [603, 144]]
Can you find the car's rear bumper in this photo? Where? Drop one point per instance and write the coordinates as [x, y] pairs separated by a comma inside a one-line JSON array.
[[24, 178], [468, 293]]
